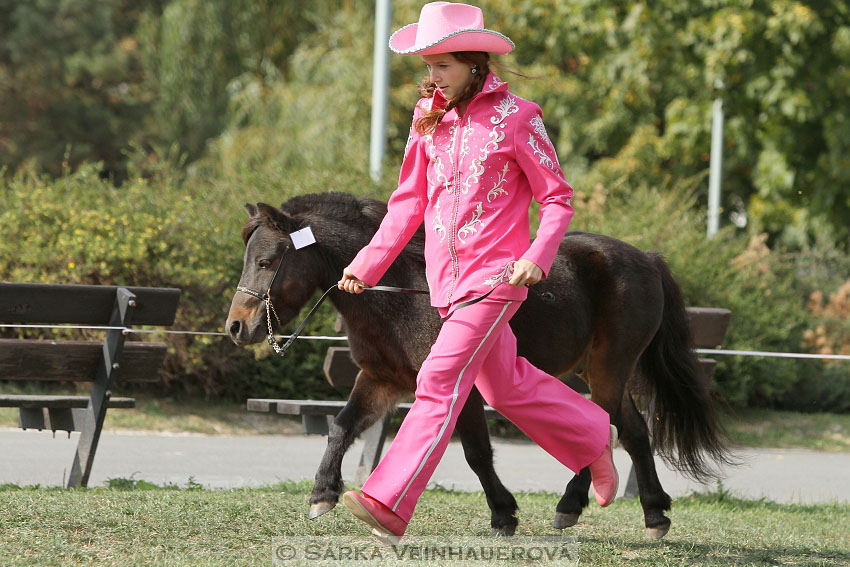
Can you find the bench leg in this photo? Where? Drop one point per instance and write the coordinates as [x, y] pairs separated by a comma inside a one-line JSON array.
[[93, 416], [372, 451]]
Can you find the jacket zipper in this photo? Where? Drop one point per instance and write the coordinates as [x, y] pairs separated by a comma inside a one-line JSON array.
[[456, 150], [453, 222]]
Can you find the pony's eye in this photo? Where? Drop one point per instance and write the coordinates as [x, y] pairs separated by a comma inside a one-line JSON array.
[[264, 264]]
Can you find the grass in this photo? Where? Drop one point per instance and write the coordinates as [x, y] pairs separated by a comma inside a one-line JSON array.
[[135, 523], [759, 428], [785, 429]]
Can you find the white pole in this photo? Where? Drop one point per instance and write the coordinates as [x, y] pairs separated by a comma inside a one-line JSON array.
[[380, 87], [715, 163]]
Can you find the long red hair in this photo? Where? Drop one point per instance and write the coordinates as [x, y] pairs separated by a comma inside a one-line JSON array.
[[480, 60]]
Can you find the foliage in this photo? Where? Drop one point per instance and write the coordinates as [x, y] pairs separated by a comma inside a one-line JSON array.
[[81, 81], [276, 127], [199, 50], [71, 87], [832, 336], [781, 68]]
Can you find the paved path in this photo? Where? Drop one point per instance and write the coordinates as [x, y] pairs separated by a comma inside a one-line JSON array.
[[31, 457]]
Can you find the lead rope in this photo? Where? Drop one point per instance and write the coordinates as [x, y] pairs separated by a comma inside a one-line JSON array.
[[547, 297], [281, 350]]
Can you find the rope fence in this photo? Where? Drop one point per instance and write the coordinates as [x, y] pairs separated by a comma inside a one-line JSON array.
[[773, 354], [126, 330]]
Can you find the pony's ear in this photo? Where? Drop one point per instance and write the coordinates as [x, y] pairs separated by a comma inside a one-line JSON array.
[[276, 218], [252, 210]]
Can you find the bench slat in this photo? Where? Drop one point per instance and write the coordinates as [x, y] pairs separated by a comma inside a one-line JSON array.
[[82, 304], [26, 359], [53, 402]]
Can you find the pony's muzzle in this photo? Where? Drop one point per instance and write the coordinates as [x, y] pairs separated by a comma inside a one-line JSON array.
[[244, 330], [234, 330]]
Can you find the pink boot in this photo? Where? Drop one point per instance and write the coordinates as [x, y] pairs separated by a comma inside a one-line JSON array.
[[604, 474], [385, 524]]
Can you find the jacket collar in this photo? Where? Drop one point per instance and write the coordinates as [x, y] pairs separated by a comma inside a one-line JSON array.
[[492, 84]]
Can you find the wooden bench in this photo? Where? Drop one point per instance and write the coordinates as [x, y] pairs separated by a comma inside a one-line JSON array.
[[102, 363], [708, 327]]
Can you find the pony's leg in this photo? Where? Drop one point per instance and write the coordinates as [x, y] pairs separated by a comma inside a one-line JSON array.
[[653, 499], [607, 374], [573, 501], [475, 437], [368, 402]]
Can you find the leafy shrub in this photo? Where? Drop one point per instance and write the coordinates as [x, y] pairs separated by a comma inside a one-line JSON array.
[[832, 334]]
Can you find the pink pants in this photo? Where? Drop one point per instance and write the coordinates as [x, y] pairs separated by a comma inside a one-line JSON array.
[[476, 346]]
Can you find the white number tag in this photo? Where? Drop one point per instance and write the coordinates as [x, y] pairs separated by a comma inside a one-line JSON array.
[[302, 238]]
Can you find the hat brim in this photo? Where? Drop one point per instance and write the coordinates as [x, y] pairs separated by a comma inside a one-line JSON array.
[[403, 42]]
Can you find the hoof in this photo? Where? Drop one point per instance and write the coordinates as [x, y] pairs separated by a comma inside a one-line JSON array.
[[562, 521], [320, 508], [657, 532], [504, 531]]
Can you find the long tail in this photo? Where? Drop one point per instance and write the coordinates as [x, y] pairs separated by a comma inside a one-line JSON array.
[[685, 429]]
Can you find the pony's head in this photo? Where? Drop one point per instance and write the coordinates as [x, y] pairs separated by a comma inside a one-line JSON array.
[[273, 265]]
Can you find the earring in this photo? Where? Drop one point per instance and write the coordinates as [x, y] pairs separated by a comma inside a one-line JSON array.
[[474, 70]]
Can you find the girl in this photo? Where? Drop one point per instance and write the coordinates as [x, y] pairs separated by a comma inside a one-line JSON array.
[[475, 158]]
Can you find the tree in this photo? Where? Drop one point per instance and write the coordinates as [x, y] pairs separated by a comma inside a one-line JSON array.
[[644, 74], [70, 82]]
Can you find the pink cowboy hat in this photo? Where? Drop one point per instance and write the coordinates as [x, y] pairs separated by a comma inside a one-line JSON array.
[[445, 27]]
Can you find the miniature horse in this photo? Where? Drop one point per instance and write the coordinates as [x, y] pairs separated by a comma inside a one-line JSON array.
[[617, 317]]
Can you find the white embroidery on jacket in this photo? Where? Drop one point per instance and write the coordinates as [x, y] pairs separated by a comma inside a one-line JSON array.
[[544, 159], [464, 142], [451, 152], [438, 220], [409, 140], [495, 84], [439, 168], [540, 128], [477, 167], [501, 277], [504, 108], [435, 165], [499, 186], [469, 226]]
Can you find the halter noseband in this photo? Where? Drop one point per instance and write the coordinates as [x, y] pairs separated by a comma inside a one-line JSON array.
[[267, 298]]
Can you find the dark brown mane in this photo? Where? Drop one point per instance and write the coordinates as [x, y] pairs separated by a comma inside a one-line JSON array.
[[250, 226], [360, 218]]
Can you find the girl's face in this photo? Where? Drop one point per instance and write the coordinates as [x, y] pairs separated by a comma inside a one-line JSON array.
[[450, 75]]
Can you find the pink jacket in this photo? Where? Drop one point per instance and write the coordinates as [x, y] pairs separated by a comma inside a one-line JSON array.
[[472, 182]]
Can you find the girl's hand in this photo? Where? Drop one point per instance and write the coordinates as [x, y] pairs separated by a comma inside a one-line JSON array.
[[526, 272], [351, 283]]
